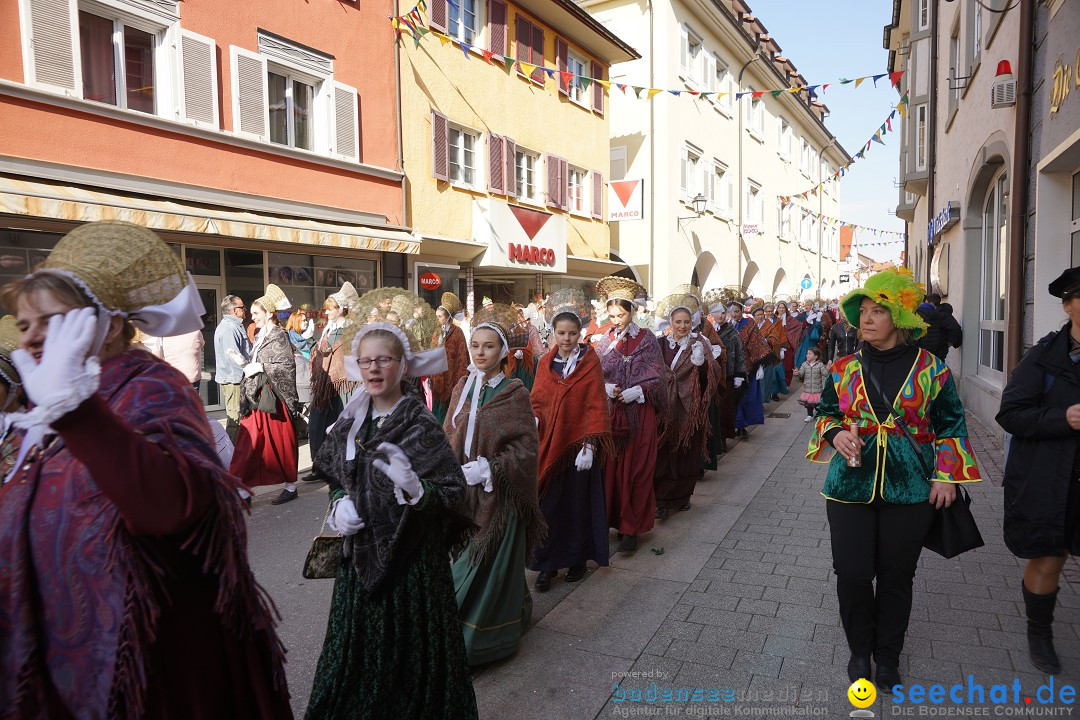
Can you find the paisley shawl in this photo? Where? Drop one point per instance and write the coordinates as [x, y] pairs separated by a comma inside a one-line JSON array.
[[457, 362], [644, 367], [279, 365]]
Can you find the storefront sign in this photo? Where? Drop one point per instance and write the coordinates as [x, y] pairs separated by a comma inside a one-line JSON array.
[[625, 200], [751, 229], [430, 281], [1065, 78], [845, 278], [943, 222], [520, 238]]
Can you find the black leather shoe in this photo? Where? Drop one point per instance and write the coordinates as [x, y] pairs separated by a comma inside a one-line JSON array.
[[575, 573], [313, 477], [661, 514], [628, 544], [284, 497], [886, 678], [858, 667], [543, 581], [685, 506]]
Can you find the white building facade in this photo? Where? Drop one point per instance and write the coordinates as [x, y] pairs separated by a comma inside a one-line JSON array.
[[741, 155]]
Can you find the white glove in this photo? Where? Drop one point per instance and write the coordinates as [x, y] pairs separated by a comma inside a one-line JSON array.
[[584, 458], [760, 373], [343, 517], [634, 394], [717, 351], [597, 338], [252, 369], [400, 472], [783, 351], [234, 355], [609, 388], [697, 355], [478, 472], [64, 377], [739, 381]]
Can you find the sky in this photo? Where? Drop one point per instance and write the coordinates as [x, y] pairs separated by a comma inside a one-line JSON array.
[[843, 39]]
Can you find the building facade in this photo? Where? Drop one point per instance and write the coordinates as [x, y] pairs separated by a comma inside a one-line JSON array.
[[506, 157], [739, 155], [957, 160], [259, 139]]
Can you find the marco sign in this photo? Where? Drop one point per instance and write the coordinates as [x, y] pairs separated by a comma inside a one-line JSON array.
[[625, 200]]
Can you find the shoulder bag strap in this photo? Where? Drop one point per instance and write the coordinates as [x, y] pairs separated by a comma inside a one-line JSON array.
[[876, 386]]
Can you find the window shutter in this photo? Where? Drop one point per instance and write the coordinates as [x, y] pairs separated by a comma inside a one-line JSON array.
[[440, 146], [710, 73], [251, 106], [597, 88], [198, 85], [522, 38], [684, 52], [562, 61], [510, 166], [684, 174], [52, 58], [597, 195], [437, 15], [730, 192], [346, 122], [538, 54], [497, 26], [551, 164], [564, 183], [496, 183], [708, 174]]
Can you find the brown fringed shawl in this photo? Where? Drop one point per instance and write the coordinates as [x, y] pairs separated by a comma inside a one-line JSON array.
[[691, 392], [793, 330], [457, 362], [773, 332], [328, 369], [755, 346], [505, 434], [572, 412]]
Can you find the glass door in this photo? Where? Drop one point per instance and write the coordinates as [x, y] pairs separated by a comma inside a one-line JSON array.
[[211, 295]]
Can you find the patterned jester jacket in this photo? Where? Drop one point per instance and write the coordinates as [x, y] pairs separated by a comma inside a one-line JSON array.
[[929, 407]]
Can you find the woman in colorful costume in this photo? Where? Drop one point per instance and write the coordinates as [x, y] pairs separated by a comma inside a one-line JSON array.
[[126, 591], [450, 337], [523, 357], [881, 510], [733, 375], [793, 334], [330, 388], [393, 644], [570, 406], [773, 331], [266, 451], [638, 386], [695, 376], [493, 433], [750, 410]]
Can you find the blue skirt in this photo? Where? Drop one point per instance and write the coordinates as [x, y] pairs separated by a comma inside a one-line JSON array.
[[750, 410]]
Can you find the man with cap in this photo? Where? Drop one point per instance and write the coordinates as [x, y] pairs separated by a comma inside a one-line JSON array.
[[1040, 408]]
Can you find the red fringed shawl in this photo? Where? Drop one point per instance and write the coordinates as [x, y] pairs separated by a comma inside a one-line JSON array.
[[457, 361], [572, 412]]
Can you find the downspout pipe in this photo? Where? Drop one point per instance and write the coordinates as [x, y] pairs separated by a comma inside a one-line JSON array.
[[1018, 206], [652, 154], [931, 138]]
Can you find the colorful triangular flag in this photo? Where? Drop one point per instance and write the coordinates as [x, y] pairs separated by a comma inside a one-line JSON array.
[[894, 77], [653, 92]]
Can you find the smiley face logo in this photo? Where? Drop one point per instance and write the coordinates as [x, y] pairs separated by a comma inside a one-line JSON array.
[[862, 693]]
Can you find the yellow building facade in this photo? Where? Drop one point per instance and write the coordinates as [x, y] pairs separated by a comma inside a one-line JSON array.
[[506, 173]]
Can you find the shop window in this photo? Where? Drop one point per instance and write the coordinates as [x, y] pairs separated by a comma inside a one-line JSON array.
[[311, 278], [21, 251], [434, 280], [994, 269]]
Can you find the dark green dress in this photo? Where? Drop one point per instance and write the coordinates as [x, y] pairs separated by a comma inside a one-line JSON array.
[[396, 650]]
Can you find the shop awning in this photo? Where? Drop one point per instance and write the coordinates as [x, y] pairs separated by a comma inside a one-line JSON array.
[[55, 201], [592, 267]]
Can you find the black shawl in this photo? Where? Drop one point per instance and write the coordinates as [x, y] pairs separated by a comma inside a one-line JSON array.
[[279, 367]]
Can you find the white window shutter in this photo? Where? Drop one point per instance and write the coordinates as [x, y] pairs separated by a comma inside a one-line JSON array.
[[346, 122], [709, 177], [53, 60], [730, 195], [710, 74], [198, 80], [250, 102], [684, 52], [684, 173]]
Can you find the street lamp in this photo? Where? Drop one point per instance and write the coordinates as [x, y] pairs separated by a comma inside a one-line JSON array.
[[699, 202]]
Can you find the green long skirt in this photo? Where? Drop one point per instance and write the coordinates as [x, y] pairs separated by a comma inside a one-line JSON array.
[[396, 652], [493, 597]]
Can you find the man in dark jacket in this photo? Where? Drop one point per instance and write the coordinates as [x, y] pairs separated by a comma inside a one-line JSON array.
[[931, 339], [843, 339], [951, 332]]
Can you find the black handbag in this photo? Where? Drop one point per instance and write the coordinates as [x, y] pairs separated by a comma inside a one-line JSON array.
[[954, 530]]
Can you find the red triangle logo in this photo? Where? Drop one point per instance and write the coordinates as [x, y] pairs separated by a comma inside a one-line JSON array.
[[531, 221], [624, 189]]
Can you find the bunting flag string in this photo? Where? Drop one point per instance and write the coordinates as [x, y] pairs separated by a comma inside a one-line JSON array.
[[897, 237], [886, 127]]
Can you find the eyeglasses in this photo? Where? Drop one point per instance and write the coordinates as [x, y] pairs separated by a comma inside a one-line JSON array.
[[238, 307], [382, 362]]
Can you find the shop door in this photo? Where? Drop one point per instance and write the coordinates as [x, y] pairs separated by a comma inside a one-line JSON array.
[[211, 295]]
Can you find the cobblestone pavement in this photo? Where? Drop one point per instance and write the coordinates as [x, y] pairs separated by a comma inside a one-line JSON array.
[[738, 594]]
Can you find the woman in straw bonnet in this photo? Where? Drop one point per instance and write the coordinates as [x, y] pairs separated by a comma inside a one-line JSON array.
[[450, 337], [393, 646], [12, 397], [126, 591], [879, 500], [330, 388], [266, 445], [493, 433], [695, 375], [570, 406], [750, 409], [637, 383]]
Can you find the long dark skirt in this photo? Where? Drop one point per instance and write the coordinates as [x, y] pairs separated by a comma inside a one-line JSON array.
[[750, 410], [677, 472], [320, 419], [573, 505]]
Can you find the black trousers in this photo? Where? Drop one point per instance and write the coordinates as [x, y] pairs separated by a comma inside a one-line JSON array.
[[883, 541]]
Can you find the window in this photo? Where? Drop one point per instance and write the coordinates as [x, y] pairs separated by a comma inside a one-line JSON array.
[[462, 144], [723, 82], [463, 20], [690, 174], [976, 29], [755, 114], [783, 138], [954, 57], [804, 157], [118, 65], [754, 209], [721, 190], [576, 190], [527, 164], [529, 45], [692, 58], [994, 269], [291, 104], [618, 162], [579, 66], [924, 14], [783, 220], [920, 137]]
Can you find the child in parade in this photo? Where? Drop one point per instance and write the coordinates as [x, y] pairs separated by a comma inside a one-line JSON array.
[[813, 374]]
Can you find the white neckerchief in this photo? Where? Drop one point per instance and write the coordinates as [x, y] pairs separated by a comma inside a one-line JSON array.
[[474, 386], [682, 345], [260, 338], [569, 364], [620, 336]]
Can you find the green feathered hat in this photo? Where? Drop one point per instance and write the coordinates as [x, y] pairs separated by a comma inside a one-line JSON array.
[[894, 289]]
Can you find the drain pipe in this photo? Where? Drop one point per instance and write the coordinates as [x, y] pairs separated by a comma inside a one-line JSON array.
[[931, 138], [1018, 205]]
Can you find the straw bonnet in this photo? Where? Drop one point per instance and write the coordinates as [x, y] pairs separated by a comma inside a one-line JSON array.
[[566, 301], [127, 270], [451, 303], [9, 340], [687, 289], [894, 289], [675, 301], [273, 299], [614, 287], [498, 317], [346, 297]]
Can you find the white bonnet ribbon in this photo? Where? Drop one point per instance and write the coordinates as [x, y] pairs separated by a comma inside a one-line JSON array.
[[571, 363], [618, 337], [682, 346]]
